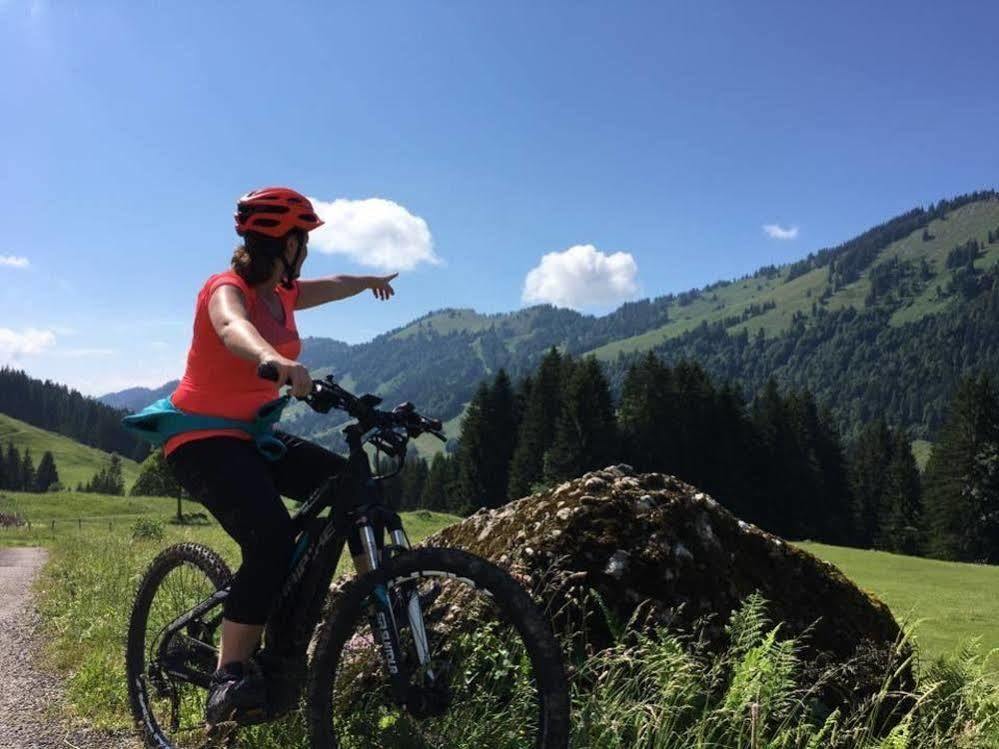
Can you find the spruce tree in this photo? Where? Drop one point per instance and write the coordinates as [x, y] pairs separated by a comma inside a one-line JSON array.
[[115, 479], [586, 431], [47, 475], [537, 425], [900, 528], [502, 430], [776, 446], [414, 478], [435, 495], [473, 449], [870, 456], [15, 480], [642, 416], [957, 481], [27, 472]]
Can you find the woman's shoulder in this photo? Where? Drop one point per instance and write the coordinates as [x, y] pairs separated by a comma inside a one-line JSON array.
[[227, 278]]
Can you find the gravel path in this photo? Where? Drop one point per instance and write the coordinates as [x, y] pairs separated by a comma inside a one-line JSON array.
[[30, 696]]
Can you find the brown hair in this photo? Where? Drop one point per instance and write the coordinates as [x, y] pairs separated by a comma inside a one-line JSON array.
[[254, 259]]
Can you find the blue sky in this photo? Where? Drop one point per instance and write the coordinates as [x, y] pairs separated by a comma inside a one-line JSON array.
[[497, 153]]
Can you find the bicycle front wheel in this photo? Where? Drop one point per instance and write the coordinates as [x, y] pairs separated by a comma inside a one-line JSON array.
[[482, 667]]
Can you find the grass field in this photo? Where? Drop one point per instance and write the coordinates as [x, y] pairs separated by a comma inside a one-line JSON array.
[[85, 592], [75, 462], [954, 602]]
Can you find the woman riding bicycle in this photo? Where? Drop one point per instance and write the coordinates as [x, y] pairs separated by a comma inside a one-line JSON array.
[[245, 317]]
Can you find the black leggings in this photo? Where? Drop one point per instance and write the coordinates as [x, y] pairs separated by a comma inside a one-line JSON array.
[[242, 490]]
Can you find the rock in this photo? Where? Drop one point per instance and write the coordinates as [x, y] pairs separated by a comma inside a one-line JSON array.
[[654, 543]]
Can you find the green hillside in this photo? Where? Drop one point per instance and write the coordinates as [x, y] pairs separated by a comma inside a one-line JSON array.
[[795, 297], [876, 325], [954, 601], [75, 462]]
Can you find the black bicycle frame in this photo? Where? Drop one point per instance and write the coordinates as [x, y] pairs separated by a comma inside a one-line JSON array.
[[356, 507]]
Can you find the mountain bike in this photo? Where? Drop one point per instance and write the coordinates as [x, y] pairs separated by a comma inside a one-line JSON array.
[[430, 647]]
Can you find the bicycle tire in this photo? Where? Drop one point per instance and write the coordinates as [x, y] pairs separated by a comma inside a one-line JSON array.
[[333, 634], [217, 574]]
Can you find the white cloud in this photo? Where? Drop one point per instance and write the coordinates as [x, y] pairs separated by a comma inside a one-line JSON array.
[[14, 345], [580, 277], [12, 261], [373, 232], [776, 231]]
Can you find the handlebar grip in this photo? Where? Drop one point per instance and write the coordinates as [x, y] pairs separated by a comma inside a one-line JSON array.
[[267, 371]]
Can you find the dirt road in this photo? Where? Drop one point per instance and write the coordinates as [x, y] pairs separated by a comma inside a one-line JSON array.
[[30, 696]]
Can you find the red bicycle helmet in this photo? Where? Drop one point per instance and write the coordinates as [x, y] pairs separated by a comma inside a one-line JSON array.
[[274, 211]]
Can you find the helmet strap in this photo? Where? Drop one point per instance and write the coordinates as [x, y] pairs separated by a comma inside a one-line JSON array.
[[289, 274]]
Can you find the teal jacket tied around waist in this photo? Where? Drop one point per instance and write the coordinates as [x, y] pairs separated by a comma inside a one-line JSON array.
[[160, 421]]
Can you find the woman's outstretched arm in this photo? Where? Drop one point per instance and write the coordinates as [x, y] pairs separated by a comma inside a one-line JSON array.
[[321, 290]]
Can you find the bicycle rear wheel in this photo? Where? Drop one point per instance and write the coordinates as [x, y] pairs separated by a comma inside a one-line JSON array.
[[167, 673], [494, 678]]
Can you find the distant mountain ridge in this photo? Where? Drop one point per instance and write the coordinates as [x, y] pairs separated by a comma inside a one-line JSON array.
[[914, 289], [137, 398]]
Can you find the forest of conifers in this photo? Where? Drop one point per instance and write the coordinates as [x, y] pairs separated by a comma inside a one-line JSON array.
[[778, 462]]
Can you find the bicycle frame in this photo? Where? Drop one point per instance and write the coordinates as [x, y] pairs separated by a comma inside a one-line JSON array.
[[356, 507]]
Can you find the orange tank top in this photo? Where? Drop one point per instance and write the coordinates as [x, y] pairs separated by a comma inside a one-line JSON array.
[[216, 382]]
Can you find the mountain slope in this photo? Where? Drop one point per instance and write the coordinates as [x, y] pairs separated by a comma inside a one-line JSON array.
[[906, 300], [76, 462], [135, 399], [795, 296]]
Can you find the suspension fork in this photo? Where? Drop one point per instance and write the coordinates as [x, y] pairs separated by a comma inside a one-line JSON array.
[[414, 611], [383, 621]]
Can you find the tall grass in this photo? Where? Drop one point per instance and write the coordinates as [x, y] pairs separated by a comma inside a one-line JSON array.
[[666, 691], [659, 691]]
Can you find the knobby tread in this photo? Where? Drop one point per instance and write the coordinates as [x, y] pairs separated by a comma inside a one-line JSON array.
[[332, 633], [214, 568]]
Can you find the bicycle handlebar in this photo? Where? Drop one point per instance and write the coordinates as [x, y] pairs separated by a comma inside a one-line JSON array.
[[327, 395]]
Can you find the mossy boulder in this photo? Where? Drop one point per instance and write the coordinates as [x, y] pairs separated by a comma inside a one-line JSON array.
[[659, 552]]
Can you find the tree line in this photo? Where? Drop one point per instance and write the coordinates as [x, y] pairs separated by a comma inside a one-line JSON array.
[[107, 480], [57, 408], [777, 461], [18, 472]]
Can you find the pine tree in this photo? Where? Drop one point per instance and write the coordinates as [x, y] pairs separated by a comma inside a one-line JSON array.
[[27, 472], [586, 431], [435, 495], [472, 450], [900, 528], [15, 479], [643, 417], [957, 482], [870, 457], [47, 474], [776, 449], [414, 478], [115, 479], [537, 426], [502, 440], [157, 480]]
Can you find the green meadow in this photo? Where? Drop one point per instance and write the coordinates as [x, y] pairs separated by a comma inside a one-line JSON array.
[[85, 596], [75, 461]]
